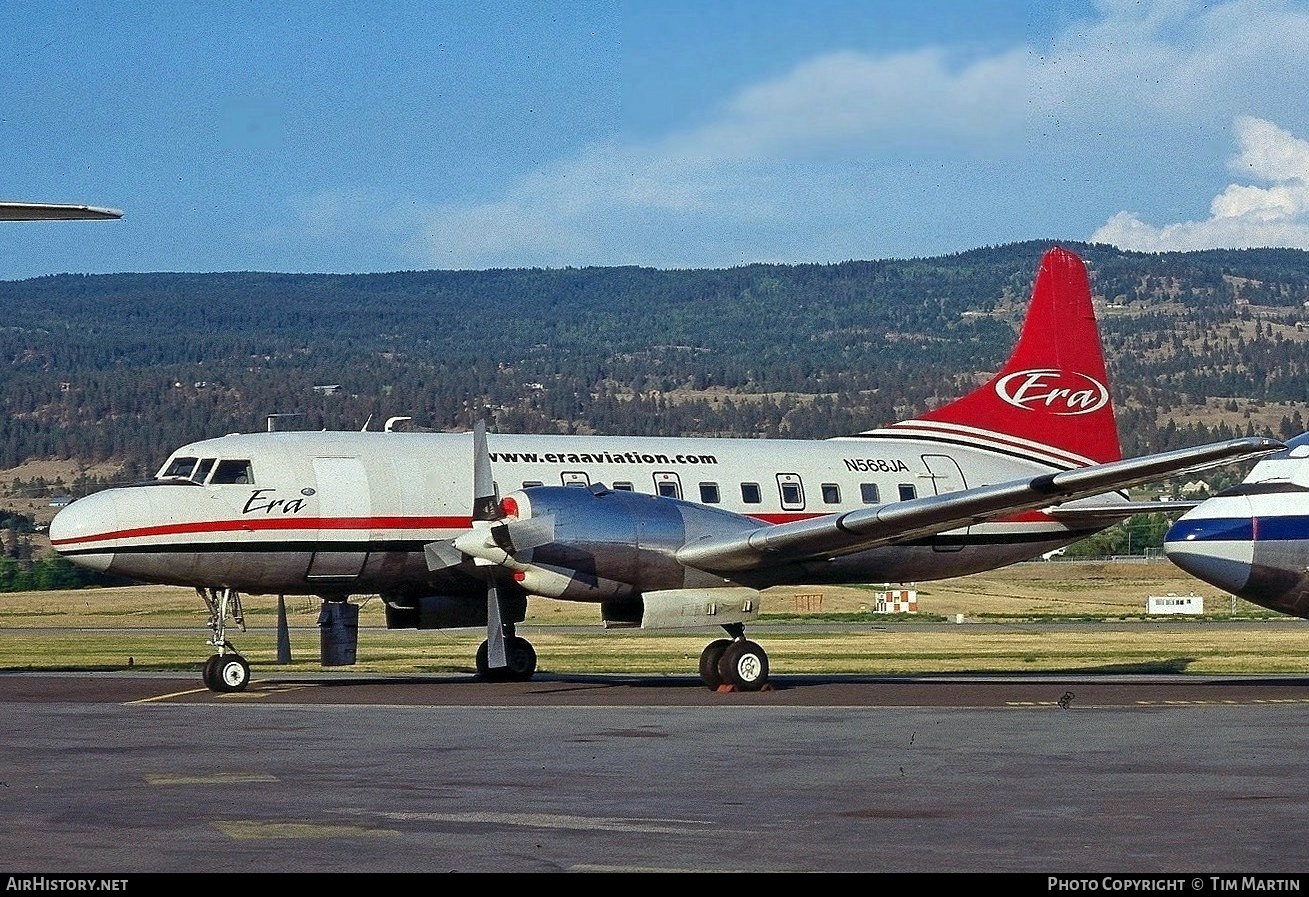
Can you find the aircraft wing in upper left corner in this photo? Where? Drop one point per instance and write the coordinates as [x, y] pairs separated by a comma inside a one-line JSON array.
[[46, 211]]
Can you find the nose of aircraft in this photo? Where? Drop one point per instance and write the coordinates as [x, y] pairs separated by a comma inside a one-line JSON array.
[[81, 531], [1215, 543]]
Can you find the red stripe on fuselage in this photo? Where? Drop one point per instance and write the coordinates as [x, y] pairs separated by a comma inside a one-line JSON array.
[[268, 524]]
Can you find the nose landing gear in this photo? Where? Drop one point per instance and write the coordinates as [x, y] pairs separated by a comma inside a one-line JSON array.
[[225, 671]]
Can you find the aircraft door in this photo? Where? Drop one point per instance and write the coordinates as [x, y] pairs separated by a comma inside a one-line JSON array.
[[790, 489], [669, 485], [946, 476], [345, 504]]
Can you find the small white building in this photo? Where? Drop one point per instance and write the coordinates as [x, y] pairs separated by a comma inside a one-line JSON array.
[[1174, 604]]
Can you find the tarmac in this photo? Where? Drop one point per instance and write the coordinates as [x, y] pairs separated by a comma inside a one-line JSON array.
[[134, 773]]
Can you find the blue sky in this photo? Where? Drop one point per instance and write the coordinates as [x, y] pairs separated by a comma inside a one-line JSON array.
[[353, 137]]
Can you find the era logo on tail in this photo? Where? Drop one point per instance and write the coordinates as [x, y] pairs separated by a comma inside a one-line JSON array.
[[1032, 390], [1056, 369]]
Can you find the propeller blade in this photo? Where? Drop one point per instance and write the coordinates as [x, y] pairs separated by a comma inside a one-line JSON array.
[[442, 555], [481, 539], [520, 535], [486, 502], [479, 544], [496, 657]]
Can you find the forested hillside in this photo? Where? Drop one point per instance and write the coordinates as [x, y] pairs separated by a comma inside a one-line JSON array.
[[122, 368]]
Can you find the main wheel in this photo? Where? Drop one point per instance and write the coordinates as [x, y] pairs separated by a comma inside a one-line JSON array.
[[522, 659], [709, 658], [744, 666], [520, 655], [484, 671], [209, 673], [231, 673]]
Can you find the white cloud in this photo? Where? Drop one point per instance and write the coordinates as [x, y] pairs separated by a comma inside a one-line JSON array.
[[822, 163], [767, 162], [1242, 216]]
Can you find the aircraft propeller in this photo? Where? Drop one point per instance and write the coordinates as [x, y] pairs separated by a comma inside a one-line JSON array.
[[492, 541]]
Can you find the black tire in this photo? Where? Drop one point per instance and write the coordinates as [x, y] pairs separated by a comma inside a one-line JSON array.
[[484, 671], [522, 660], [231, 673], [521, 657], [709, 658], [209, 673], [744, 666]]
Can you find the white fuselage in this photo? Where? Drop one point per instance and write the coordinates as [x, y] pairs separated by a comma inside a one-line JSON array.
[[334, 513]]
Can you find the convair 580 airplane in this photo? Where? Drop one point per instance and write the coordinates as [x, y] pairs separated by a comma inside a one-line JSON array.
[[657, 532]]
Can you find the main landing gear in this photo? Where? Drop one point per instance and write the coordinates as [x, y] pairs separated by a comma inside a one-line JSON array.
[[734, 664], [519, 654], [225, 671]]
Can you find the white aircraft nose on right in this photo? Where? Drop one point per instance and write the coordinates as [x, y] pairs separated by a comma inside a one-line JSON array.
[[1215, 542]]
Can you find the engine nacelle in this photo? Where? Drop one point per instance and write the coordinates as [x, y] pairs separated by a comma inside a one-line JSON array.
[[685, 609], [610, 545], [447, 611]]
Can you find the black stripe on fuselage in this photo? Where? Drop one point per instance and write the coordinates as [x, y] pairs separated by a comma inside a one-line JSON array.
[[964, 442], [268, 547]]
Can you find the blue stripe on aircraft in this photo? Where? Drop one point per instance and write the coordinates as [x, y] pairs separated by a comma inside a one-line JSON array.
[[1241, 529], [1212, 529], [1283, 529]]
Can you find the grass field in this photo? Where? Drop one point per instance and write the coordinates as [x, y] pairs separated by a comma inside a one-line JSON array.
[[1035, 617]]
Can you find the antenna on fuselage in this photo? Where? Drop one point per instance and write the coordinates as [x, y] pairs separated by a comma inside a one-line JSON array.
[[273, 418]]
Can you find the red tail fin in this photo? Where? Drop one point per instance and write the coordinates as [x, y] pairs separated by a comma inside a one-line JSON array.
[[1052, 394]]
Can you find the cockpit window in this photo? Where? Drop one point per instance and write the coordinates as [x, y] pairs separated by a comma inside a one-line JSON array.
[[238, 472], [186, 468], [202, 471], [178, 469]]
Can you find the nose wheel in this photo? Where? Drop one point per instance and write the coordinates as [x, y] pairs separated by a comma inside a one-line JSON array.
[[226, 673]]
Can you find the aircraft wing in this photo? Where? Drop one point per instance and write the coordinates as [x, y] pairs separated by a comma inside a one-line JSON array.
[[45, 211], [840, 534]]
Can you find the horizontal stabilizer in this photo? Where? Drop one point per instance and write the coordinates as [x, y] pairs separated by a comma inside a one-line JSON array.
[[1093, 514]]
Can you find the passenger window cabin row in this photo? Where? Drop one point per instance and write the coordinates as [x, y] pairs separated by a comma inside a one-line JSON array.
[[790, 490]]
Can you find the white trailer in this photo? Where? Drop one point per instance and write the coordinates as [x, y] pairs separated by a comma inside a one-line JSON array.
[[1174, 604]]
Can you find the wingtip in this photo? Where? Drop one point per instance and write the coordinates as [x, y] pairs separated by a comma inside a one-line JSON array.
[[44, 211]]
